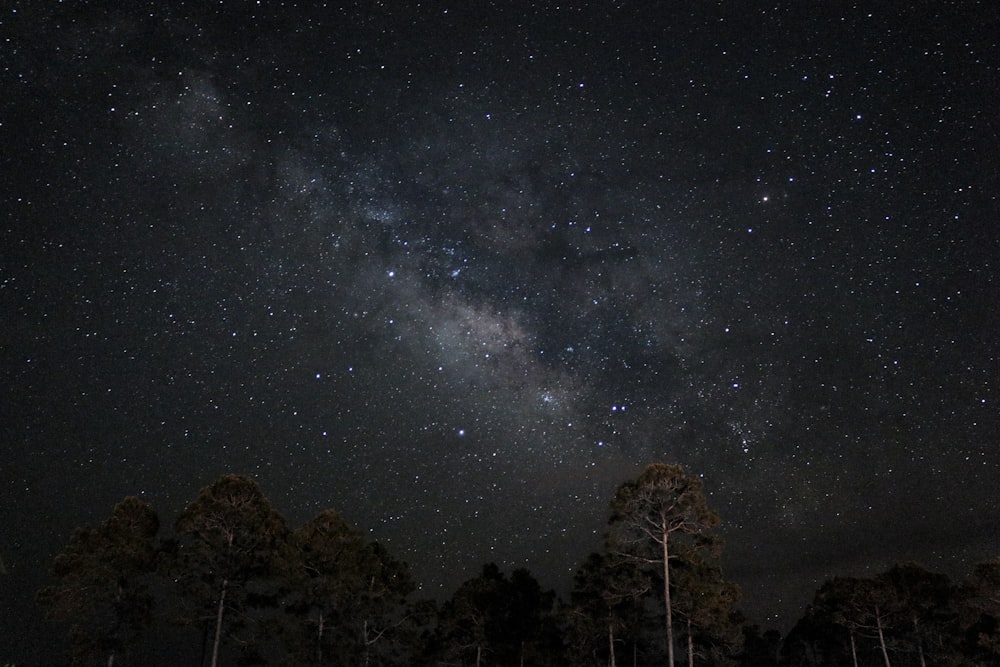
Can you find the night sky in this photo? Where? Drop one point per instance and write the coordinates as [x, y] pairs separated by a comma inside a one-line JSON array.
[[458, 270]]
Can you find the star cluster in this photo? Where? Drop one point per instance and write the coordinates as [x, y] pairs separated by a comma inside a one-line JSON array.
[[459, 271]]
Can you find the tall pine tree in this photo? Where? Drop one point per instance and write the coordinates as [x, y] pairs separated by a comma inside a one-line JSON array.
[[102, 583], [228, 540], [654, 514]]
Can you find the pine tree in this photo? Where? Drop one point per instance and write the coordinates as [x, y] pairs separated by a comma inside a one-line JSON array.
[[652, 515], [495, 620], [704, 601], [922, 599], [981, 608], [863, 606], [605, 608], [229, 538], [102, 583], [325, 576]]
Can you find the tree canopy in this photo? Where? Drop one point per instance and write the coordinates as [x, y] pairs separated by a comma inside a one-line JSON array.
[[102, 583], [228, 538], [249, 590], [657, 516]]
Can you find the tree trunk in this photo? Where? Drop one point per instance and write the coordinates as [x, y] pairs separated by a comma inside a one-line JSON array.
[[920, 642], [319, 639], [611, 644], [690, 644], [218, 623], [854, 648], [666, 594], [118, 623], [881, 636], [479, 653], [365, 642]]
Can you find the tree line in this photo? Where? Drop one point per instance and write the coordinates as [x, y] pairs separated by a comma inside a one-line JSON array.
[[246, 588]]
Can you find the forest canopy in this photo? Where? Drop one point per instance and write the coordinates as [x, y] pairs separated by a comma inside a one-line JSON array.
[[232, 583]]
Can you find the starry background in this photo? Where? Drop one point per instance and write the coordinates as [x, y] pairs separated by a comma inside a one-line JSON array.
[[458, 270]]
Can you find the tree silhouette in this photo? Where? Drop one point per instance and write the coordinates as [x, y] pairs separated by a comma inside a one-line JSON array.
[[382, 614], [759, 650], [815, 640], [981, 608], [865, 606], [661, 509], [325, 576], [605, 607], [922, 599], [233, 562], [494, 620], [531, 631], [228, 540], [467, 621], [345, 598], [704, 601], [102, 582]]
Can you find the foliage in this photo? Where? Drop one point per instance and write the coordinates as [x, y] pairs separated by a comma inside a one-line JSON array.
[[605, 610], [759, 650], [703, 600], [979, 610], [324, 595], [102, 583], [382, 624], [656, 517], [495, 620], [905, 615], [228, 541]]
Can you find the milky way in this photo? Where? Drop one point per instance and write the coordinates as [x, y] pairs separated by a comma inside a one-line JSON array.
[[459, 272]]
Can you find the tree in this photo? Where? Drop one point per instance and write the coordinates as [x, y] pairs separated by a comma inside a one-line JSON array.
[[604, 605], [704, 601], [980, 608], [494, 620], [228, 540], [325, 577], [833, 604], [382, 613], [904, 608], [532, 634], [862, 605], [811, 642], [759, 650], [922, 599], [466, 622], [662, 509], [103, 582], [346, 598]]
